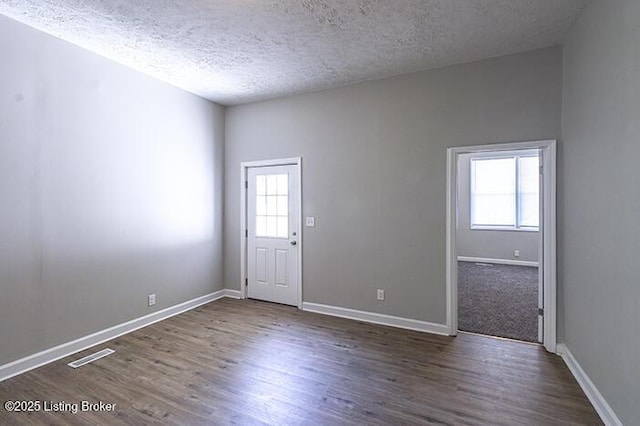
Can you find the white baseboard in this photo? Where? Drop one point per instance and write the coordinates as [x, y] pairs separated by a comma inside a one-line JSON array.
[[497, 261], [603, 408], [233, 294], [53, 354], [375, 318]]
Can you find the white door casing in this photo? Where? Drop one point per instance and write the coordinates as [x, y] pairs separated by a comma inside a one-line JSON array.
[[547, 261], [272, 217], [541, 226]]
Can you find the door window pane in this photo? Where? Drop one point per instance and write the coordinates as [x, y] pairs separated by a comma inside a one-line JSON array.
[[282, 205], [271, 226], [261, 226], [261, 185], [283, 185], [261, 205], [272, 206], [272, 184]]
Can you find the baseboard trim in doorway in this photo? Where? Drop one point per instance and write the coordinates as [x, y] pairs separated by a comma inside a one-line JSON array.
[[497, 261], [47, 356], [375, 318], [606, 413]]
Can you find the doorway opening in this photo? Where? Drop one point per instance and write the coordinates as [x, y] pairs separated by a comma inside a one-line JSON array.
[[497, 241], [271, 238], [501, 241]]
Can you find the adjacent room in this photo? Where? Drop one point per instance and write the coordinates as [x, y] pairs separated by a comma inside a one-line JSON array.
[[498, 244], [319, 212]]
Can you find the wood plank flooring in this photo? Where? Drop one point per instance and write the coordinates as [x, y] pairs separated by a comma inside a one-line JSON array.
[[249, 362]]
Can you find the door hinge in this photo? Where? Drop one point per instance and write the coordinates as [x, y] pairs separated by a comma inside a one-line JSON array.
[[541, 312], [246, 282], [541, 169], [246, 233], [246, 184]]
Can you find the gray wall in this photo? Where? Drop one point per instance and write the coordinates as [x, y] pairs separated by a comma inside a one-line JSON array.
[[488, 243], [111, 188], [599, 199], [374, 162]]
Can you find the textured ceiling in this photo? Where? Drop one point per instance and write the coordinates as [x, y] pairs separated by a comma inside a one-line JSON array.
[[236, 51]]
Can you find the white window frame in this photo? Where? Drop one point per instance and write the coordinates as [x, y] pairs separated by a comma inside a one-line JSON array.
[[493, 156]]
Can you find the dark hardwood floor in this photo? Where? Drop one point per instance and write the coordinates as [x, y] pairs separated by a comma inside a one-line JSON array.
[[249, 362]]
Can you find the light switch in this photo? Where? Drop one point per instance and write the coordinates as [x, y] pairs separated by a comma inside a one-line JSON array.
[[310, 221]]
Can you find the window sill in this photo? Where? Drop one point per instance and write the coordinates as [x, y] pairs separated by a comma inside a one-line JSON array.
[[501, 228]]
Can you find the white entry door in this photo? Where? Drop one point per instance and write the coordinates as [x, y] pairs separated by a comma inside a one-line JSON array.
[[272, 224]]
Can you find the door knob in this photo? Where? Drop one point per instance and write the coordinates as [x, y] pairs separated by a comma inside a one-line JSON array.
[[293, 243]]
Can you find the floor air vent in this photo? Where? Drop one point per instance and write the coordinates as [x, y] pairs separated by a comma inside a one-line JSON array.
[[90, 358]]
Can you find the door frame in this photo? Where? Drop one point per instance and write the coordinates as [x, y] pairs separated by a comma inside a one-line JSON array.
[[244, 169], [547, 234]]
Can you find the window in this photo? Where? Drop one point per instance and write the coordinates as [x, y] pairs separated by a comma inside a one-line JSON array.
[[272, 206], [504, 192]]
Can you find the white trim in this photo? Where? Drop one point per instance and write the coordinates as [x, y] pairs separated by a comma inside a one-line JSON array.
[[233, 294], [299, 233], [606, 413], [547, 236], [502, 228], [375, 318], [497, 261], [57, 352], [244, 167], [491, 155], [452, 242], [275, 162], [548, 244]]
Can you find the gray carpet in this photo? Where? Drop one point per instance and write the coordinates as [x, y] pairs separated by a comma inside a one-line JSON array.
[[498, 300]]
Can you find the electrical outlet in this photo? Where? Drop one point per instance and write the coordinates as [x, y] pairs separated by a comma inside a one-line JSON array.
[[380, 294], [516, 253], [152, 299]]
